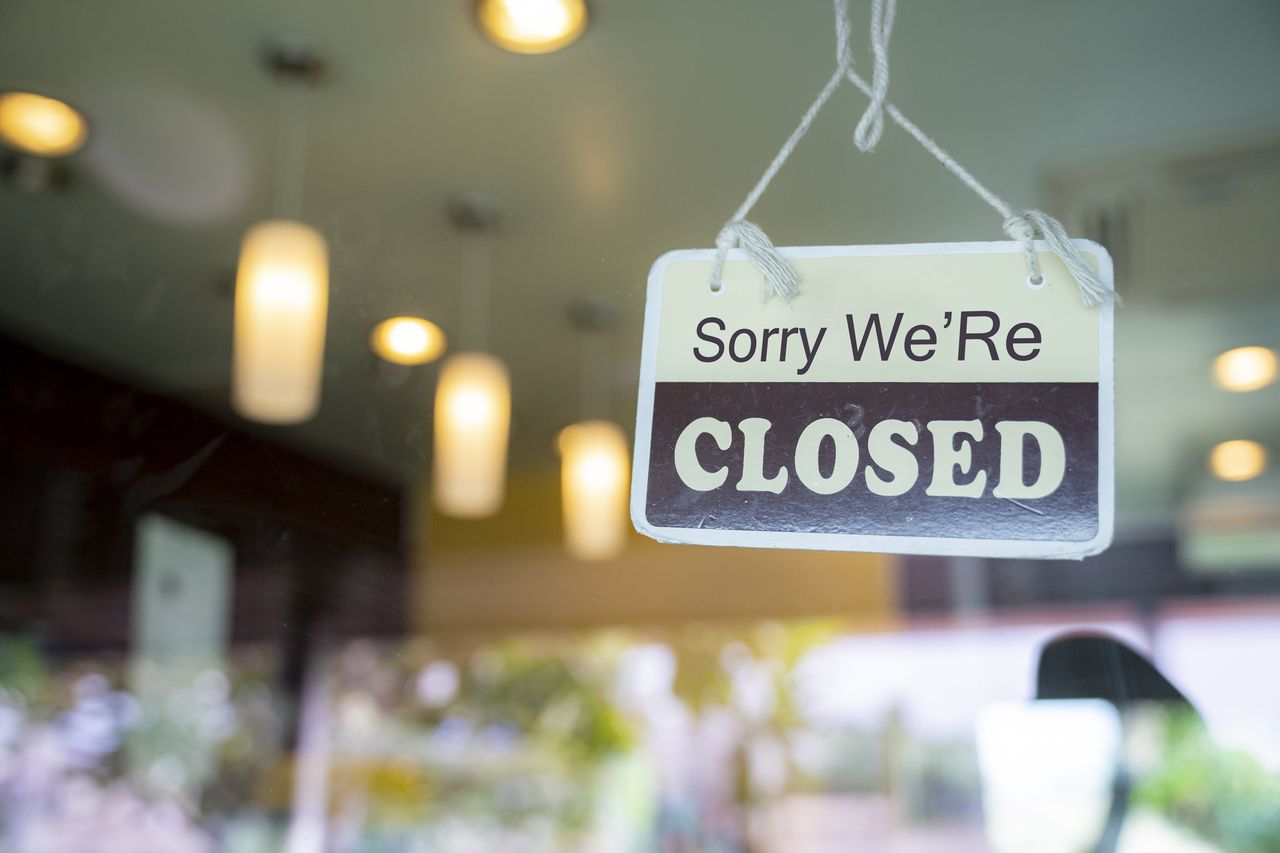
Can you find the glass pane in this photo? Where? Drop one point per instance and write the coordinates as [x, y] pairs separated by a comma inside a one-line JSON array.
[[320, 350]]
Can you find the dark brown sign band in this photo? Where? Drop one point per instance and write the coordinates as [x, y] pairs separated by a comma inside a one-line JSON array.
[[889, 459]]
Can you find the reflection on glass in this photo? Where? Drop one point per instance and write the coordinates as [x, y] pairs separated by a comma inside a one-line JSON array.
[[215, 636]]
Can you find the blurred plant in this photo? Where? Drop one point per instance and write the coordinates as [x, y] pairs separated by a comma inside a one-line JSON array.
[[251, 747], [556, 700], [86, 756], [1226, 797], [23, 675], [509, 737], [845, 760], [709, 657], [742, 680]]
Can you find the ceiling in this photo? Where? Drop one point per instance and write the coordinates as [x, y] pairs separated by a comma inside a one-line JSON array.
[[641, 137]]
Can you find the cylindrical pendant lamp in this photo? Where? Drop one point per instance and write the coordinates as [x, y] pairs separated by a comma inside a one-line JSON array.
[[473, 392], [472, 420], [282, 300], [594, 485]]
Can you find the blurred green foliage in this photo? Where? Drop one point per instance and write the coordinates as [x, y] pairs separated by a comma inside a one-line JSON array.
[[556, 700], [1224, 796], [515, 748], [23, 675]]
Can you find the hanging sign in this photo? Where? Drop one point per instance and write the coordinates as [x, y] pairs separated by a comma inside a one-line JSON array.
[[917, 399]]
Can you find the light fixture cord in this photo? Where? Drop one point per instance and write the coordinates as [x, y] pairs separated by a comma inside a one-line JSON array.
[[477, 285], [595, 389], [291, 151], [1023, 226]]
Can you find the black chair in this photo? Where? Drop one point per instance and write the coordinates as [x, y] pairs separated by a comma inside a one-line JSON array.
[[1095, 666]]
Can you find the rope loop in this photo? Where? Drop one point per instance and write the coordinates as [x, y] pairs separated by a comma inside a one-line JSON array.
[[1025, 226], [782, 278], [844, 53], [1023, 230], [871, 125]]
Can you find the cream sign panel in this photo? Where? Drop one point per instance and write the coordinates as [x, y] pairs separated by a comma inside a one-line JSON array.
[[911, 399]]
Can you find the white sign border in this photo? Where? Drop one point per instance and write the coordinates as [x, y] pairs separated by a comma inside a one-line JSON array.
[[940, 546]]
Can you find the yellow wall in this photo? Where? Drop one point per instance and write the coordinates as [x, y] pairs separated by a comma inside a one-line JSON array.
[[510, 573]]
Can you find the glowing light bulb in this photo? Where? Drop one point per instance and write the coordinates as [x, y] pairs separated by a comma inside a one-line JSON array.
[[532, 26], [1238, 460], [41, 126], [282, 299], [472, 407], [594, 485], [472, 422], [408, 340], [1245, 368]]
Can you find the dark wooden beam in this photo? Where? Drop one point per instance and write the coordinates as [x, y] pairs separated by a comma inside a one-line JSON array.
[[83, 456]]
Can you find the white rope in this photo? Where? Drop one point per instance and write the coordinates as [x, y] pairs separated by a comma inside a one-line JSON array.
[[778, 272], [806, 121], [781, 276], [871, 125], [844, 34], [1092, 291], [1019, 228], [1022, 226]]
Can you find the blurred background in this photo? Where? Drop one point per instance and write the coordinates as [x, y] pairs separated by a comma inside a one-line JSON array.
[[298, 298]]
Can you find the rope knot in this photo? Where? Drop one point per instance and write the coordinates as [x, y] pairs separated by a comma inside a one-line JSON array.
[[844, 54], [782, 278], [727, 238], [871, 125], [1020, 228], [1026, 226]]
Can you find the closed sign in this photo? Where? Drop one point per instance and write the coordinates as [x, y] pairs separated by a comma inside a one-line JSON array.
[[919, 399]]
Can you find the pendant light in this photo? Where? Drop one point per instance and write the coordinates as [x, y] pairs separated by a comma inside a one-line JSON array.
[[595, 480], [1245, 369], [408, 341], [39, 125], [473, 394], [594, 457], [282, 281], [282, 298], [472, 419], [532, 26], [1238, 460]]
